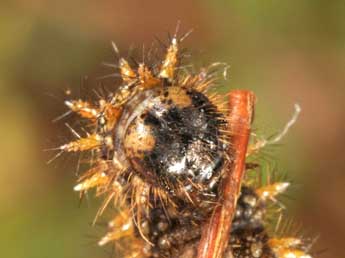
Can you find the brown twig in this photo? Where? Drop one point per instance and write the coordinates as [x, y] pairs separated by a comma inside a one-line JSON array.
[[215, 234]]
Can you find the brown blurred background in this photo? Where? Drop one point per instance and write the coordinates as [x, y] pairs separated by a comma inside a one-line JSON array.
[[286, 51]]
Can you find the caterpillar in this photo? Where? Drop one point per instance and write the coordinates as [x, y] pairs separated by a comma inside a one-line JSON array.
[[160, 146]]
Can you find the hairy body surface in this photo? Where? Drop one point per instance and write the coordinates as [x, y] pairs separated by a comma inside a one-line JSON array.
[[161, 145]]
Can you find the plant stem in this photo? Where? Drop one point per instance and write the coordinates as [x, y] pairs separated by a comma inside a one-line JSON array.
[[215, 234]]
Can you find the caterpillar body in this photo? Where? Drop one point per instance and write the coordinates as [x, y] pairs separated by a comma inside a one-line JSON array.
[[160, 146]]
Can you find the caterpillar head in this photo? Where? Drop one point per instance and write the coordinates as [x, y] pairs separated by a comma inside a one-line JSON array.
[[161, 127], [171, 138]]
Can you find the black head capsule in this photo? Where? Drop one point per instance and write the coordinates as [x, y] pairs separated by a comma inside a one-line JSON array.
[[172, 138]]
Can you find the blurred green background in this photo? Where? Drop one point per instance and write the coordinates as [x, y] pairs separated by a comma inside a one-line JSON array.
[[286, 51]]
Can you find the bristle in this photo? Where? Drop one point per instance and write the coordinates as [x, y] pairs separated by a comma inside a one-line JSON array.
[[259, 144], [128, 75], [90, 142], [94, 181], [140, 203], [287, 242], [146, 77], [170, 61], [121, 227], [83, 108], [272, 190], [287, 248]]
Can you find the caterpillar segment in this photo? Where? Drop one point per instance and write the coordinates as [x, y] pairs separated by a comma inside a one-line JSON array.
[[161, 143]]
